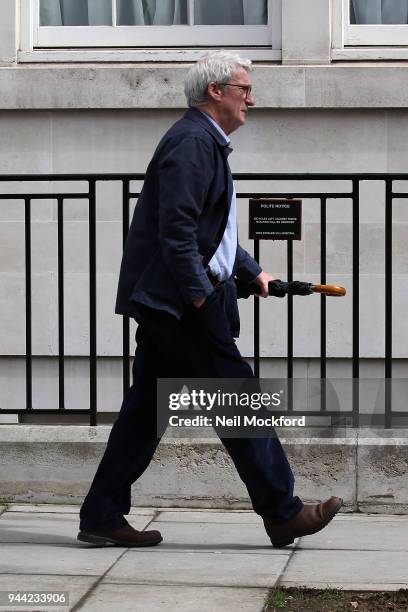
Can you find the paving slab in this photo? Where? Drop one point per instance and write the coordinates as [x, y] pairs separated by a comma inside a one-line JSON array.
[[234, 538], [197, 568], [360, 516], [143, 511], [186, 509], [48, 508], [77, 586], [142, 598], [68, 509], [48, 528], [54, 559], [361, 533], [349, 570], [201, 516]]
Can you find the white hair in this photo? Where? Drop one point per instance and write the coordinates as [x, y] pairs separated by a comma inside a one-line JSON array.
[[216, 67]]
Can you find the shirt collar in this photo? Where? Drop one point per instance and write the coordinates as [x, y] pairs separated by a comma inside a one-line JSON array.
[[218, 127]]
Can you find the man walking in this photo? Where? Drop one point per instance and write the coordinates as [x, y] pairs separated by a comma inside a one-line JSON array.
[[177, 280]]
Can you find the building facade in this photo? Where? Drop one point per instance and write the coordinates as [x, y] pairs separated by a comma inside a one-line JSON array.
[[90, 87]]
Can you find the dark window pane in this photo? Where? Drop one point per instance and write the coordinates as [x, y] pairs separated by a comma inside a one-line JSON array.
[[384, 12], [231, 12], [151, 12], [75, 12]]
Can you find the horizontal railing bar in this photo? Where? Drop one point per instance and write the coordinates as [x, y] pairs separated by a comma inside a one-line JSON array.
[[314, 413], [44, 196], [70, 177], [247, 176], [45, 411], [320, 176], [275, 413], [292, 194]]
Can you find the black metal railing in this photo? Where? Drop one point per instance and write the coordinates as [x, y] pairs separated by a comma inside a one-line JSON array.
[[125, 179]]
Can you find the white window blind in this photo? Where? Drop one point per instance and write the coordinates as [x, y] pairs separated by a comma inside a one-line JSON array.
[[376, 22], [154, 23]]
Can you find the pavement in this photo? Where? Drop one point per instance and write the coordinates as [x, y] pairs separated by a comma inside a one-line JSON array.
[[209, 559]]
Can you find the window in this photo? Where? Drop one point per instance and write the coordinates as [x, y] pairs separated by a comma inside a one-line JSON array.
[[149, 23], [376, 22]]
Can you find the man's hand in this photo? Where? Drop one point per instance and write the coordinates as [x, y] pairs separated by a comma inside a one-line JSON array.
[[262, 281], [199, 302]]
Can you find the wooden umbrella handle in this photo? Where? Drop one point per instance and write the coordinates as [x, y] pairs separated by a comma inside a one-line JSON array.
[[333, 290]]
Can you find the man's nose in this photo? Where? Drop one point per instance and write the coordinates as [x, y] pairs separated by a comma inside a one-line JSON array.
[[250, 99]]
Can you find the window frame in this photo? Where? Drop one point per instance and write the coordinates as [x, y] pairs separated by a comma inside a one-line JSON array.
[[35, 37], [376, 35], [365, 42]]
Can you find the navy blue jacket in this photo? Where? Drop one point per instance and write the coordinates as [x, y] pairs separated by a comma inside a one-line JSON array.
[[179, 221]]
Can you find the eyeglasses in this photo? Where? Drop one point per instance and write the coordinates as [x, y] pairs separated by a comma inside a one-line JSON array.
[[245, 89]]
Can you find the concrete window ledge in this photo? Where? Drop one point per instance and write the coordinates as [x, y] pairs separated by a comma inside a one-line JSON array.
[[55, 464], [149, 86]]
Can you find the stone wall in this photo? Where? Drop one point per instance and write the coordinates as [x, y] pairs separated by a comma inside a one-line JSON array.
[[80, 119], [46, 464]]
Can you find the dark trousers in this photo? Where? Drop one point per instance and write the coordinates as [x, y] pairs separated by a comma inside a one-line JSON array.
[[200, 346]]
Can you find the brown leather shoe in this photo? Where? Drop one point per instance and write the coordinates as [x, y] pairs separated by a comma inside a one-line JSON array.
[[124, 536], [311, 519]]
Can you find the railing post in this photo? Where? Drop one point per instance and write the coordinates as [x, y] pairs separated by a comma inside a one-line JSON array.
[[28, 313], [125, 321], [323, 338], [388, 304], [256, 320], [290, 325], [356, 303], [92, 305], [61, 367]]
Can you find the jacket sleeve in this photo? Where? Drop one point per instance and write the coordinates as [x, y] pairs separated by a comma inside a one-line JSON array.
[[185, 175], [246, 268]]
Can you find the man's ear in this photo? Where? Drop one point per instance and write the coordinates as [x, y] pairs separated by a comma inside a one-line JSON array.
[[214, 91]]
